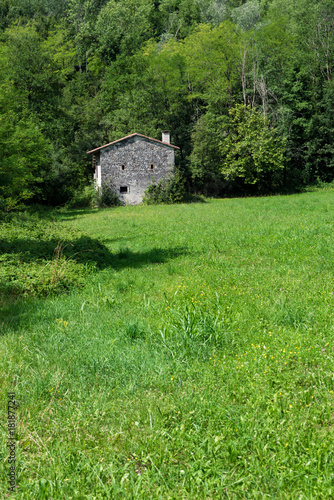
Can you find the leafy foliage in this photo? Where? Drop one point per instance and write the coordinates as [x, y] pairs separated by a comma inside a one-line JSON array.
[[205, 158], [166, 191], [25, 152], [85, 197], [107, 196], [122, 27], [251, 151], [77, 74]]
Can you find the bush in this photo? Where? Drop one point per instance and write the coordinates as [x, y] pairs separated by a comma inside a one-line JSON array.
[[87, 197], [167, 191], [107, 196]]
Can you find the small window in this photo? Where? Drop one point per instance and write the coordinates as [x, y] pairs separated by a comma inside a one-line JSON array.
[[123, 189], [122, 167], [152, 166]]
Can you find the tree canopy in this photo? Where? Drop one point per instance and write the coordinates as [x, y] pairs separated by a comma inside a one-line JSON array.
[[229, 78]]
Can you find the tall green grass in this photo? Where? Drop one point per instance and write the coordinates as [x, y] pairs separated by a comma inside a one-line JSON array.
[[196, 364]]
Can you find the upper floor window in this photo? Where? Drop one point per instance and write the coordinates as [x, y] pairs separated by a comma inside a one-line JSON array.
[[152, 166], [122, 167]]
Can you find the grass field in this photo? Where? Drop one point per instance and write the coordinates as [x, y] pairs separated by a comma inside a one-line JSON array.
[[197, 363]]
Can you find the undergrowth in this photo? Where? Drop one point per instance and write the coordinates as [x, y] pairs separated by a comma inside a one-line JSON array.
[[39, 257]]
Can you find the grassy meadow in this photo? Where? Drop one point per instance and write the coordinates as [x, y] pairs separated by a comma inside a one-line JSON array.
[[194, 361]]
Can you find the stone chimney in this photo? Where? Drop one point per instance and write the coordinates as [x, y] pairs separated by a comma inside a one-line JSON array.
[[166, 136]]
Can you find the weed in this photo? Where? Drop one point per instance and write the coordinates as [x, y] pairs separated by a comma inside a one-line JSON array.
[[134, 332]]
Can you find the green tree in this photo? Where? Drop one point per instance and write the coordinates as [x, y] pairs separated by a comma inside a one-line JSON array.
[[205, 158], [251, 150], [146, 93], [178, 18], [122, 27], [302, 84], [25, 152], [32, 71], [212, 55]]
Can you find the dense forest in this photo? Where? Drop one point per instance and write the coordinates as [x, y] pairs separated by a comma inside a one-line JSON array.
[[246, 89]]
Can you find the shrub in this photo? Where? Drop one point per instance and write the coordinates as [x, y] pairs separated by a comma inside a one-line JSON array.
[[107, 196], [87, 197], [166, 191]]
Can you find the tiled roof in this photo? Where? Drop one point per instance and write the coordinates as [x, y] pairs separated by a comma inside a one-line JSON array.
[[133, 135]]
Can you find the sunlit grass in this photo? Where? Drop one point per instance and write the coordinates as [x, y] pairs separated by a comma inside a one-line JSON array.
[[197, 364]]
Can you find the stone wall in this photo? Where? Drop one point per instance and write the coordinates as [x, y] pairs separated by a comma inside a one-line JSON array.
[[135, 163]]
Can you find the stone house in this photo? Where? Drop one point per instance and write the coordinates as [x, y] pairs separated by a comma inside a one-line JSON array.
[[132, 163]]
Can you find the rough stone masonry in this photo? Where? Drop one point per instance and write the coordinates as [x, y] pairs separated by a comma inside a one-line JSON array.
[[132, 163]]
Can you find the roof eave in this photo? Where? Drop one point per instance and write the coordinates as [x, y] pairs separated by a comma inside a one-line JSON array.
[[128, 137]]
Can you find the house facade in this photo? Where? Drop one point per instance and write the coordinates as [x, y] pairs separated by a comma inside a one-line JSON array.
[[132, 163]]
